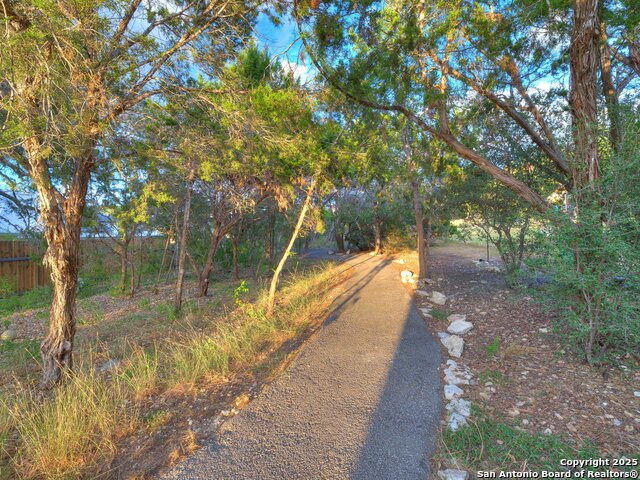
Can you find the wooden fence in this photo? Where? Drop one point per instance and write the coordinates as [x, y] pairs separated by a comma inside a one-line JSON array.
[[20, 265]]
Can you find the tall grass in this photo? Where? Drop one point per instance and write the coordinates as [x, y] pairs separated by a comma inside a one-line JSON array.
[[73, 433], [74, 430]]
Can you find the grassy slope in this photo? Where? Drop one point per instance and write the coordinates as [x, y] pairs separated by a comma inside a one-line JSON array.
[[74, 432]]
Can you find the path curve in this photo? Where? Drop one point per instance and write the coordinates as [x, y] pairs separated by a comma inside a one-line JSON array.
[[361, 400]]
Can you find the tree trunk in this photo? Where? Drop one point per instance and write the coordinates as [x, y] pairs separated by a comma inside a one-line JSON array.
[[377, 227], [124, 262], [62, 219], [287, 250], [184, 238], [417, 209], [584, 70], [609, 89], [234, 255], [428, 241], [203, 281]]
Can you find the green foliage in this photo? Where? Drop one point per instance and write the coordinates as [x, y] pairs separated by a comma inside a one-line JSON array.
[[488, 444], [592, 256], [493, 347]]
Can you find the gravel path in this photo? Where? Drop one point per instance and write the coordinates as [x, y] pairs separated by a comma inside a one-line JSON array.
[[360, 401]]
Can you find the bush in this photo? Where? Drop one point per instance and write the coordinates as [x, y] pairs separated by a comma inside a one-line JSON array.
[[592, 256]]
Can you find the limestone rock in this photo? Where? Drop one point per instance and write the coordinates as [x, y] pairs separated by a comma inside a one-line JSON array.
[[8, 334], [456, 421], [459, 406], [452, 391], [438, 298], [422, 293], [400, 261], [451, 474], [109, 365], [460, 327], [406, 276], [454, 345], [456, 316]]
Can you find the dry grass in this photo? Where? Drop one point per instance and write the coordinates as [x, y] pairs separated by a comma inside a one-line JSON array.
[[73, 433]]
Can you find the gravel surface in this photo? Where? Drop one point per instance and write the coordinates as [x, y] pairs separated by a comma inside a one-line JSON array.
[[362, 400]]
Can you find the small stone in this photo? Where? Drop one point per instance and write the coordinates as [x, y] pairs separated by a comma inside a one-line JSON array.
[[628, 428], [456, 316], [452, 363], [401, 261], [452, 391], [548, 431], [438, 298], [442, 335], [8, 334], [426, 312], [456, 421], [525, 422], [406, 276], [454, 345], [636, 394], [422, 293], [451, 474], [571, 427], [488, 384], [543, 330], [460, 327], [459, 406], [514, 412], [109, 365], [616, 422]]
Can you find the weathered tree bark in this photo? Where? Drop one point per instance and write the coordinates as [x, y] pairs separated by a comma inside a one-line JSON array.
[[205, 276], [609, 89], [419, 216], [62, 220], [234, 257], [377, 227], [184, 238], [287, 250], [124, 261], [585, 61]]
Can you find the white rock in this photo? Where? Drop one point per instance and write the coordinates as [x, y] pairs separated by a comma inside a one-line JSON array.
[[456, 421], [426, 312], [422, 293], [452, 363], [451, 474], [400, 261], [454, 345], [330, 252], [452, 391], [636, 394], [406, 276], [109, 365], [460, 327], [438, 298], [543, 330], [442, 335], [452, 379], [8, 335], [456, 316], [460, 406]]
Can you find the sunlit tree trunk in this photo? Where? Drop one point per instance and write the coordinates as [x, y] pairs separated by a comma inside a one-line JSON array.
[[234, 255], [287, 250], [585, 60], [377, 227], [184, 239], [62, 220]]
